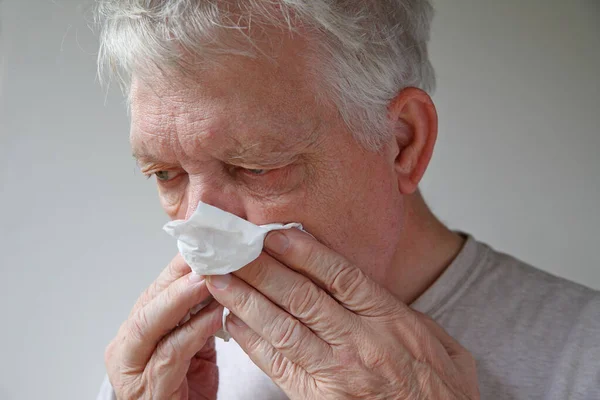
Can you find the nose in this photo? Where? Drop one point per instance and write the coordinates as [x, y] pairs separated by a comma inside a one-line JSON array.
[[215, 194]]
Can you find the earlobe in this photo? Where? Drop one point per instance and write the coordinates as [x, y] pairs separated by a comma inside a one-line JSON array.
[[414, 117]]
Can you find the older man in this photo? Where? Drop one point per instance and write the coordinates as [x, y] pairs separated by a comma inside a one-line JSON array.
[[317, 111]]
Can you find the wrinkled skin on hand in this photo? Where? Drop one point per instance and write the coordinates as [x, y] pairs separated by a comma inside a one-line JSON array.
[[321, 329], [154, 355]]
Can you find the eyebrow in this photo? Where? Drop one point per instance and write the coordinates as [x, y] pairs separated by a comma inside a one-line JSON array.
[[143, 157], [144, 161], [255, 153], [278, 153], [246, 155]]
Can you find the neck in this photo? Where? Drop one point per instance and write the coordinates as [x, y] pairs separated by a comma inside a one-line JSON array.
[[425, 249]]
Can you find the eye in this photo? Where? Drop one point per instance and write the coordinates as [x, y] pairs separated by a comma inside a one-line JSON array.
[[257, 172], [164, 176]]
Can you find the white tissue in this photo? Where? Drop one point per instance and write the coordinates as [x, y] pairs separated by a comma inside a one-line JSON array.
[[215, 242]]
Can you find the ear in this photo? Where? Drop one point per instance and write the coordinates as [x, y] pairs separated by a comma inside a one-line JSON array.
[[414, 118]]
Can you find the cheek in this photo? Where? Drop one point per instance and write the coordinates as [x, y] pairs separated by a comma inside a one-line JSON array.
[[276, 209], [361, 218]]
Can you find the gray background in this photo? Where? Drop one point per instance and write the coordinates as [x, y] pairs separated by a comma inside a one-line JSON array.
[[80, 238]]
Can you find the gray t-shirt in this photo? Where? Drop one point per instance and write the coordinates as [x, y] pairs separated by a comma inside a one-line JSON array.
[[534, 335]]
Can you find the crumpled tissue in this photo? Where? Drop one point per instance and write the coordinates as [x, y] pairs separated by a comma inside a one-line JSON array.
[[215, 242]]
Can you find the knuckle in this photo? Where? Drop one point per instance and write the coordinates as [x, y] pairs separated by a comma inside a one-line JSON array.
[[254, 344], [243, 301], [280, 370], [143, 299], [286, 333], [169, 350], [153, 288], [176, 293], [259, 271], [170, 294], [345, 279], [175, 348], [313, 256], [305, 299], [138, 326], [171, 272]]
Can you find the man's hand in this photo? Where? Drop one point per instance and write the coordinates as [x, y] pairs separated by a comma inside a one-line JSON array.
[[152, 356], [321, 329]]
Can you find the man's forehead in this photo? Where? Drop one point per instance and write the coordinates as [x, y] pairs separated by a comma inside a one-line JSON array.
[[240, 126], [266, 149]]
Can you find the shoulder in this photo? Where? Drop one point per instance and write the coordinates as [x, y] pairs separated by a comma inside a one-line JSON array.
[[509, 280], [545, 327]]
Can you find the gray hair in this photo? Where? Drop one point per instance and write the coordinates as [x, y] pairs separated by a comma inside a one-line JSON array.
[[367, 50]]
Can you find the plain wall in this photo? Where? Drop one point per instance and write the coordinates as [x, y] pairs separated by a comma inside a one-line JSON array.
[[80, 229]]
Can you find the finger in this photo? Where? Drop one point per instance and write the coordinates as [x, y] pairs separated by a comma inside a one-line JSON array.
[[333, 273], [171, 360], [279, 368], [284, 332], [175, 270], [460, 356], [449, 343], [300, 297], [209, 351], [196, 309], [452, 360], [149, 324], [203, 374]]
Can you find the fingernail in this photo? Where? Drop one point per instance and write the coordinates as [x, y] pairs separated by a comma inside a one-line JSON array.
[[195, 278], [277, 242], [219, 281], [236, 321]]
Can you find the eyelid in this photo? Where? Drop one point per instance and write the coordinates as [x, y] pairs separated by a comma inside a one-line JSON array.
[[175, 178], [151, 169], [248, 171], [251, 167], [257, 163], [270, 175]]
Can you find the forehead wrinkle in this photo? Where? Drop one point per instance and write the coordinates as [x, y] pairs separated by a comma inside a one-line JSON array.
[[169, 131], [149, 144]]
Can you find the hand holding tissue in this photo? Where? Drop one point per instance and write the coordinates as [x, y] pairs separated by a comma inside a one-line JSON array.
[[215, 242]]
